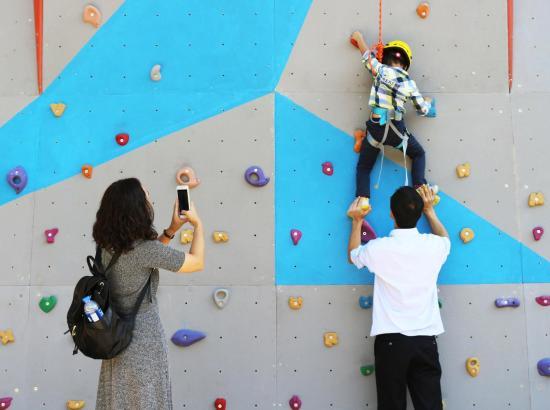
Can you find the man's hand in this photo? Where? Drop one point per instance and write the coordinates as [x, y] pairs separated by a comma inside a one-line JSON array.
[[428, 198], [356, 212]]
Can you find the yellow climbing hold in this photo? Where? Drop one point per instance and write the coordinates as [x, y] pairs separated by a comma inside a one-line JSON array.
[[295, 302], [463, 170], [467, 235], [536, 199], [186, 236], [7, 336], [58, 109], [75, 404], [220, 236], [364, 204], [437, 199], [472, 366], [331, 339]]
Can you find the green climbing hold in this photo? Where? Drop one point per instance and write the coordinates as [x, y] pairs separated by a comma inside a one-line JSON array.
[[47, 303], [367, 370], [440, 303]]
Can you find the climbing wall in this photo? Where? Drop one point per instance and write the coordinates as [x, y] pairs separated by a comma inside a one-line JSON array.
[[275, 85]]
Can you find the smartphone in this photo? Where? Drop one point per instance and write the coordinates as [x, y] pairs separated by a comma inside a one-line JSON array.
[[184, 201]]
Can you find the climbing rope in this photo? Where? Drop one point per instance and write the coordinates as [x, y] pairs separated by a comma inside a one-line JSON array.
[[380, 45]]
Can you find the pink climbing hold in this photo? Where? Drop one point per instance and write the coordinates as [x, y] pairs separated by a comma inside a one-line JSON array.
[[295, 402], [538, 231], [295, 235], [5, 402], [367, 232], [328, 168], [543, 300], [50, 234]]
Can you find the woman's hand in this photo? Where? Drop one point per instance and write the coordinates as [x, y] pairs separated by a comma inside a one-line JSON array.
[[192, 216]]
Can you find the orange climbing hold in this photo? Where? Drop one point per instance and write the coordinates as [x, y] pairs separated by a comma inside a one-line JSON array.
[[472, 366], [536, 199], [295, 302], [358, 135], [331, 339], [220, 236], [7, 337], [87, 171], [467, 235], [92, 15], [75, 404], [423, 10]]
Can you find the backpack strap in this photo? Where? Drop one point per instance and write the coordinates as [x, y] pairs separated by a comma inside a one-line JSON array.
[[146, 288], [96, 266]]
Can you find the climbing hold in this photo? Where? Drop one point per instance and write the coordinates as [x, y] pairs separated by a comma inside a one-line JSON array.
[[155, 73], [437, 199], [91, 15], [472, 366], [353, 42], [220, 404], [220, 236], [75, 404], [255, 176], [295, 235], [295, 402], [543, 366], [295, 302], [6, 336], [466, 235], [221, 297], [87, 171], [358, 135], [365, 302], [538, 231], [5, 402], [186, 176], [536, 199], [17, 178], [423, 10], [122, 139], [50, 234], [186, 236], [543, 300], [440, 303], [186, 337], [328, 168], [507, 302], [367, 370], [331, 339], [463, 170], [47, 303], [57, 109], [367, 233], [432, 113], [364, 203]]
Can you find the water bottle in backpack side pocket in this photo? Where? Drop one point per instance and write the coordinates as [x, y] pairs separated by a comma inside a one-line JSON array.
[[92, 310]]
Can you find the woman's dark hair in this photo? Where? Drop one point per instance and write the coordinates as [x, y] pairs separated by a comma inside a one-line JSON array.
[[406, 206], [395, 56], [124, 216]]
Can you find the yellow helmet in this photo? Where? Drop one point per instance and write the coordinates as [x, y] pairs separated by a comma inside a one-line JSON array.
[[403, 47]]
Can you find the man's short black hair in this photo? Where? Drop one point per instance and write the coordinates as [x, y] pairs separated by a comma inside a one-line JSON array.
[[406, 205]]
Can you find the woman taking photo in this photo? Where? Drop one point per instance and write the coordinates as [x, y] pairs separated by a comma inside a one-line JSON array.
[[138, 378]]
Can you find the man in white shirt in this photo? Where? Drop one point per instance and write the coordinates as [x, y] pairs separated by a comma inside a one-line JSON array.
[[405, 316]]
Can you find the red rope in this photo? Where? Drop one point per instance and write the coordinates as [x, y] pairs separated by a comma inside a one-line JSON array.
[[380, 45]]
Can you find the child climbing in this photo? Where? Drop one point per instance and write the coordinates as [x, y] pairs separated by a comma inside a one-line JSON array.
[[391, 89]]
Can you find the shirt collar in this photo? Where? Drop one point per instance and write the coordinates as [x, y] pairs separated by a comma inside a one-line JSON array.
[[404, 232], [402, 70]]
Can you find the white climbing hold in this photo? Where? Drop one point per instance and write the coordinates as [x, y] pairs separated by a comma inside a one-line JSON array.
[[221, 297], [155, 73]]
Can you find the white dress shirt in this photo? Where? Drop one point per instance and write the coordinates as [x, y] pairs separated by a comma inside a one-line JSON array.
[[406, 265]]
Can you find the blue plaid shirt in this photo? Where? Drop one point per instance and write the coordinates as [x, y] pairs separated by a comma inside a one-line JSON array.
[[392, 87]]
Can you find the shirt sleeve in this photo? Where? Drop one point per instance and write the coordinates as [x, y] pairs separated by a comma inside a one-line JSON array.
[[445, 246], [364, 256], [371, 63], [421, 105], [156, 255]]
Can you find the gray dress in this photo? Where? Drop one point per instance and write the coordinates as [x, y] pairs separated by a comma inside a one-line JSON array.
[[138, 378]]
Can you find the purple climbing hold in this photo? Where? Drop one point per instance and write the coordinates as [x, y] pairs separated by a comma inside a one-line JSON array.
[[543, 366], [295, 235], [5, 402], [367, 233], [17, 178], [295, 402], [186, 337], [255, 176], [507, 302]]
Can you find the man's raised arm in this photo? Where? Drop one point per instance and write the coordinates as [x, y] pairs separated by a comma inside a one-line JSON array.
[[429, 211]]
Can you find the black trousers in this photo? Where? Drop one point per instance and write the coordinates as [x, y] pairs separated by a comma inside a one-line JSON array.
[[407, 361], [368, 155]]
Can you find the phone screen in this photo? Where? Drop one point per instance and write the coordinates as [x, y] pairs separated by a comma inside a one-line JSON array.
[[183, 199]]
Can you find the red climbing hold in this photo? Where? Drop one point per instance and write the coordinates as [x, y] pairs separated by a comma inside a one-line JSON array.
[[538, 231], [543, 300], [220, 403], [295, 402], [50, 234], [122, 139], [353, 42], [328, 168]]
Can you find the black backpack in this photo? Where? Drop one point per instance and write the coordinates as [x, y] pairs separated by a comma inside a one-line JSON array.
[[110, 335]]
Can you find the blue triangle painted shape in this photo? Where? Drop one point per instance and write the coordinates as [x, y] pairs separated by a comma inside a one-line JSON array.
[[314, 203]]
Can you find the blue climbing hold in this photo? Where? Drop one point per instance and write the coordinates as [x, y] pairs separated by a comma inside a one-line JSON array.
[[543, 366], [255, 176], [365, 302], [186, 337], [433, 111], [507, 302]]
